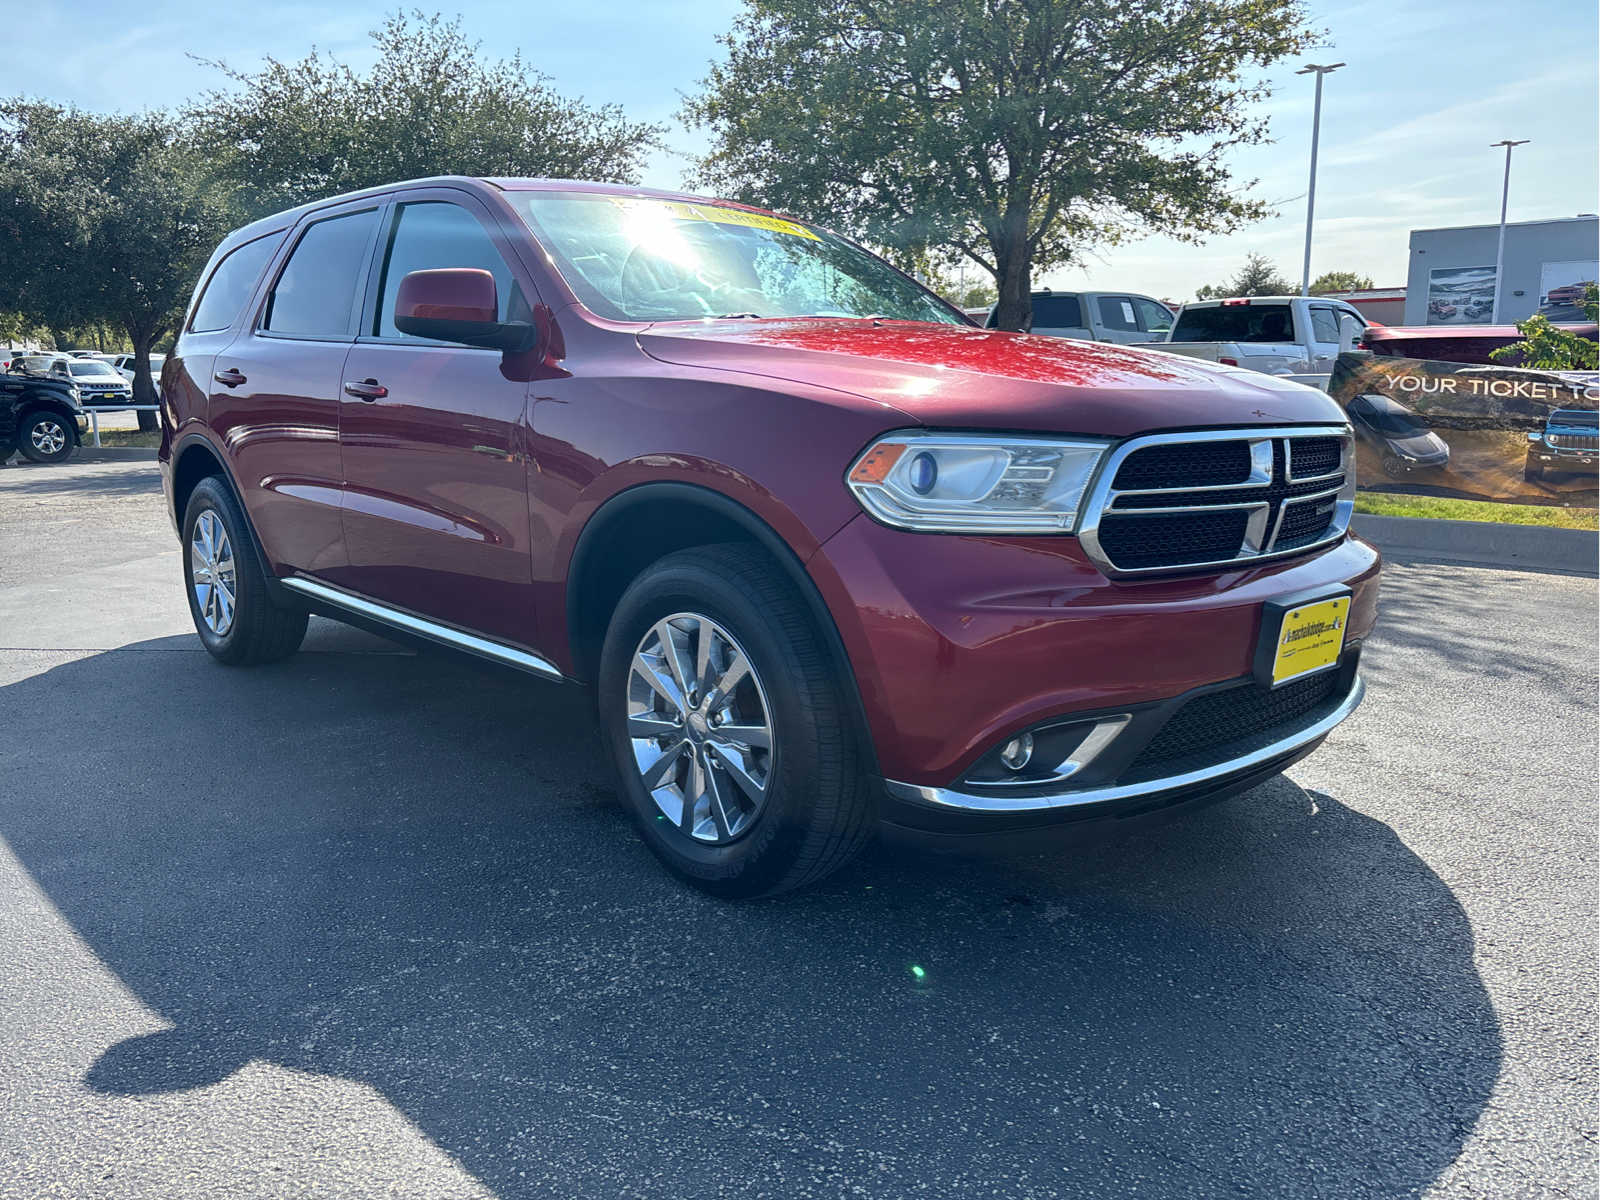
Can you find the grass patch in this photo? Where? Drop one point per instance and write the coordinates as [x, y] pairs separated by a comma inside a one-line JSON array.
[[1387, 504], [123, 437]]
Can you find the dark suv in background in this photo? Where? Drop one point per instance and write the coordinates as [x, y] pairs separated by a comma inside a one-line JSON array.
[[830, 553]]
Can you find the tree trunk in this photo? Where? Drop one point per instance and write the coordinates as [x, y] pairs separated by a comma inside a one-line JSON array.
[[1014, 279], [144, 388]]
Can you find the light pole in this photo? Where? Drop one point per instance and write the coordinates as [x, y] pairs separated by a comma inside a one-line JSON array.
[[1500, 249], [1311, 194]]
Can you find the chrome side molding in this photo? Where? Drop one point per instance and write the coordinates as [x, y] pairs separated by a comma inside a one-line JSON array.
[[949, 799], [445, 635]]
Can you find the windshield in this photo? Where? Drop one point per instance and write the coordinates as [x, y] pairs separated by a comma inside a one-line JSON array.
[[87, 367], [1575, 418], [1387, 417], [642, 259], [1235, 323]]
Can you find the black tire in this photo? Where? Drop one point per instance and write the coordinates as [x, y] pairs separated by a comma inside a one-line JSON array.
[[1394, 466], [819, 809], [1531, 472], [41, 429], [260, 631]]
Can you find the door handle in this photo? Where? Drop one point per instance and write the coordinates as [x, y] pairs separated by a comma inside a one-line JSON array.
[[367, 389], [229, 377]]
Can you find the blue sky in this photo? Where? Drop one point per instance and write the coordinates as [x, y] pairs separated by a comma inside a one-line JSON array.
[[1406, 125]]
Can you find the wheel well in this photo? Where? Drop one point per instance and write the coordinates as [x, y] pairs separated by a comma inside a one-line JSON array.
[[643, 524], [195, 462], [620, 542], [35, 406]]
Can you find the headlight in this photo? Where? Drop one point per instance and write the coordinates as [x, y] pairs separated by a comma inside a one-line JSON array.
[[974, 483]]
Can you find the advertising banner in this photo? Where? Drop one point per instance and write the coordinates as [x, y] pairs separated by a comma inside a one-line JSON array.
[[1471, 432], [1460, 295]]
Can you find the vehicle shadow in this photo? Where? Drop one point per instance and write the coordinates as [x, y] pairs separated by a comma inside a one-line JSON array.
[[412, 873]]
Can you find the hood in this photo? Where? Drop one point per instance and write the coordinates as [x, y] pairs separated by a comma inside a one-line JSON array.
[[1421, 446], [957, 376]]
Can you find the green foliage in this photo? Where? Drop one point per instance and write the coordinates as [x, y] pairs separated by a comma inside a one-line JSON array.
[[107, 220], [430, 105], [1017, 134], [1258, 277], [1547, 347], [1339, 281]]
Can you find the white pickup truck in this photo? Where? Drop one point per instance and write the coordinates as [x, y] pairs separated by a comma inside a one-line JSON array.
[[1277, 335]]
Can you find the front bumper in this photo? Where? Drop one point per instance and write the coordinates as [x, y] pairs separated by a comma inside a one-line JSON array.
[[1241, 766], [1575, 461]]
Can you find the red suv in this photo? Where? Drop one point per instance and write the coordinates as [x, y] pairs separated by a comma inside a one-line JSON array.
[[830, 554]]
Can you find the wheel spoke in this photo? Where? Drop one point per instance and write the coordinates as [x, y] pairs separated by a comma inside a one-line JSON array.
[[722, 806], [653, 725], [755, 736], [702, 656], [661, 682], [747, 783], [657, 772], [732, 675], [673, 653], [694, 786]]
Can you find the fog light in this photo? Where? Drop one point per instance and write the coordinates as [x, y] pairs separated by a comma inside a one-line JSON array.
[[1016, 753]]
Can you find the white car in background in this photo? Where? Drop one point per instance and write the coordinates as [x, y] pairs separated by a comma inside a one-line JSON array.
[[99, 384], [123, 363], [1124, 317]]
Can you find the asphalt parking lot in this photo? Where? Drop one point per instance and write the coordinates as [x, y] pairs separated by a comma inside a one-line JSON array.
[[372, 924]]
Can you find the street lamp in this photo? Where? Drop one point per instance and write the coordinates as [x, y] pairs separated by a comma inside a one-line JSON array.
[[1311, 194], [1500, 250]]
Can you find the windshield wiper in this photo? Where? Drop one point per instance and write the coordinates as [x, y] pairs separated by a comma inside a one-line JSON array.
[[738, 317]]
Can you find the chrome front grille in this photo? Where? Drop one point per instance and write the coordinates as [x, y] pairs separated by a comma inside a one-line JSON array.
[[1218, 498]]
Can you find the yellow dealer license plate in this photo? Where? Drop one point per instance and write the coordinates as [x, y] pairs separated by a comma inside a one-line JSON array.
[[1310, 638]]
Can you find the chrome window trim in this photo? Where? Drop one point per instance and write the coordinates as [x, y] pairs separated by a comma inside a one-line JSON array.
[[1258, 540], [953, 799], [432, 630]]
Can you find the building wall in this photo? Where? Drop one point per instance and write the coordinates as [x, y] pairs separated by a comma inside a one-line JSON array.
[[1529, 245]]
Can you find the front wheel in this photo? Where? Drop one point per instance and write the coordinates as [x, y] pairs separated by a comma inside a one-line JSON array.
[[233, 614], [726, 722], [45, 437]]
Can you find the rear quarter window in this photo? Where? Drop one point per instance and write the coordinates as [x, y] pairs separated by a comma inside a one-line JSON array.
[[230, 285], [1057, 312]]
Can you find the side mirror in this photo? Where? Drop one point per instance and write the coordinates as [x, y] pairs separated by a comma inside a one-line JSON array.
[[458, 304], [1350, 332]]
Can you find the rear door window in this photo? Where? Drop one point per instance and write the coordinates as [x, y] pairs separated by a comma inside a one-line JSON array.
[[315, 294], [1153, 317], [231, 284], [1116, 312], [434, 235], [1324, 325], [1057, 312]]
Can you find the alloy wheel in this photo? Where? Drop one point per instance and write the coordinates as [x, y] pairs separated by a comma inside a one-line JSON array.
[[700, 728], [211, 573], [48, 436]]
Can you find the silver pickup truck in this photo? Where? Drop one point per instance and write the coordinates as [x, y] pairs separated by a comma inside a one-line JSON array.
[[1276, 335]]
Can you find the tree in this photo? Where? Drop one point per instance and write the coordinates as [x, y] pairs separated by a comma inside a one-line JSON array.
[[1017, 133], [1258, 277], [108, 220], [293, 132], [1547, 347], [1339, 281]]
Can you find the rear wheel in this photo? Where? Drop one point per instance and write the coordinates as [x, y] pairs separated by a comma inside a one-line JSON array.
[[45, 436], [727, 726], [233, 614]]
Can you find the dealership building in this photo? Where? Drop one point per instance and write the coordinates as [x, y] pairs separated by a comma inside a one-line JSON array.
[[1452, 272]]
